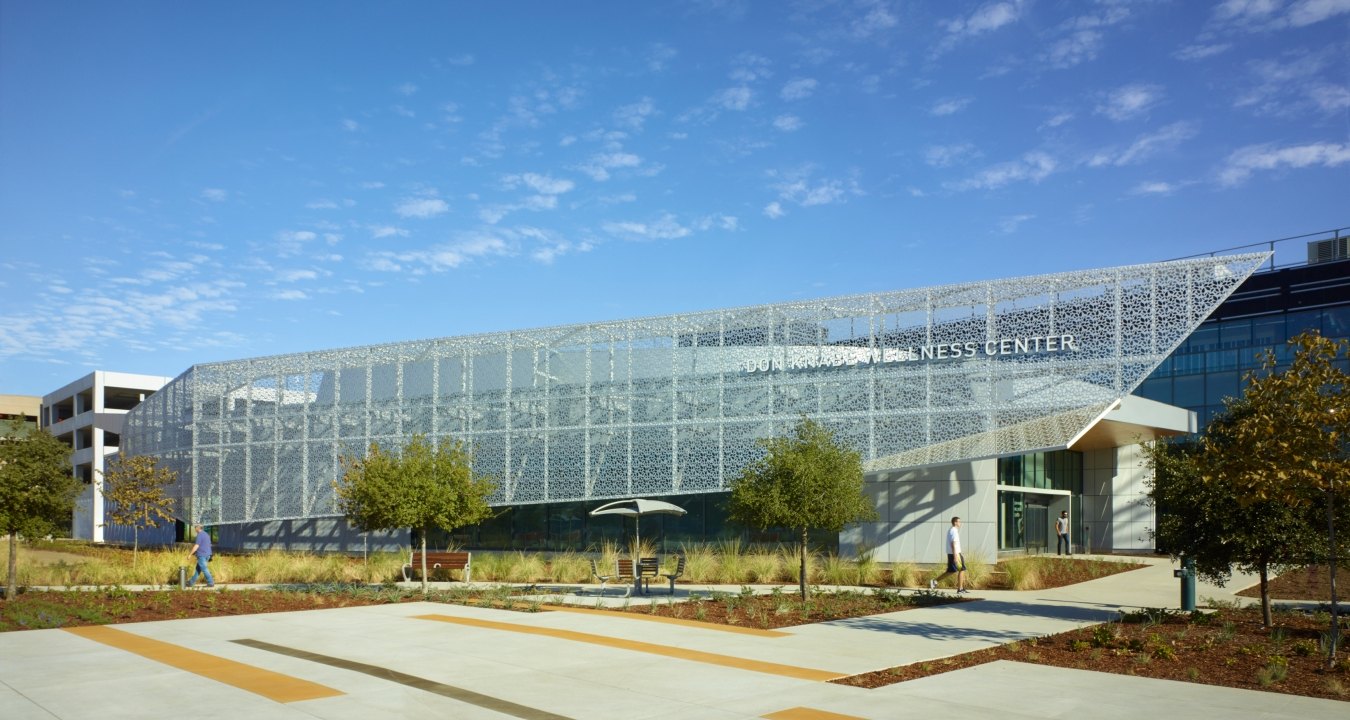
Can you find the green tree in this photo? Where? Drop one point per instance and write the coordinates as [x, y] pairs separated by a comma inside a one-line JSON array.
[[36, 488], [804, 481], [136, 486], [419, 487], [1200, 519], [1290, 446]]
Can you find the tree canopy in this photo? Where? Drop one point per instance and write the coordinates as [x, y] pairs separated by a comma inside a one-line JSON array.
[[1269, 474], [37, 491], [805, 481], [136, 487], [420, 487]]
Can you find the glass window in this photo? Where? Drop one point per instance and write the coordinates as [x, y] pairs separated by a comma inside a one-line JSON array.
[[1205, 337], [1235, 333], [1221, 360], [1188, 391], [1188, 364], [1268, 331], [1156, 388], [1336, 321], [1297, 322], [1222, 385]]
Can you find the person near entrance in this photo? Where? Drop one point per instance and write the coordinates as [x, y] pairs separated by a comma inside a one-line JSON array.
[[956, 562], [201, 549], [1062, 546]]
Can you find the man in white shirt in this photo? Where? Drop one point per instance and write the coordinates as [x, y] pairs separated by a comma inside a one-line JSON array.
[[1062, 546], [956, 562]]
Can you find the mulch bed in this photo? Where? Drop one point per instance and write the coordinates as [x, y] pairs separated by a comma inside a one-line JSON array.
[[1311, 583], [770, 612], [37, 610]]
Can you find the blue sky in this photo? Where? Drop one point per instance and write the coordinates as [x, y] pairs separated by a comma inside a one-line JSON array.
[[191, 182]]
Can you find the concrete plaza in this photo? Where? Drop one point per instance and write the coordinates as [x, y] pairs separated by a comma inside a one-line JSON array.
[[434, 660]]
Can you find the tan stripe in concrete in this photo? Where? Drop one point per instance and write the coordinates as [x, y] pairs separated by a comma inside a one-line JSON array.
[[271, 685], [791, 671], [756, 632], [806, 713]]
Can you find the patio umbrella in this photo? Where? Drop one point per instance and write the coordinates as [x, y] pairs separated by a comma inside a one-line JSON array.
[[636, 508]]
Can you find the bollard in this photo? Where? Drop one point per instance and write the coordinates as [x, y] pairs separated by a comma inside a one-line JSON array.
[[182, 577], [1187, 574]]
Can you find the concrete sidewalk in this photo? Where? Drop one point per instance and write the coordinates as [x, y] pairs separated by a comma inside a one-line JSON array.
[[434, 660]]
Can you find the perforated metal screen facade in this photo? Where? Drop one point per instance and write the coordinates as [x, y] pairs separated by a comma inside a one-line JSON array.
[[675, 404]]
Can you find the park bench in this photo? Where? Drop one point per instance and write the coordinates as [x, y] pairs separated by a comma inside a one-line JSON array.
[[616, 575], [437, 560], [675, 574]]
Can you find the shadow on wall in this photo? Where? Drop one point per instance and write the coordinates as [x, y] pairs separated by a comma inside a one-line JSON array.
[[317, 535]]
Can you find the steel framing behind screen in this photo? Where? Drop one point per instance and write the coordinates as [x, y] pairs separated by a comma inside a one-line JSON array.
[[675, 404]]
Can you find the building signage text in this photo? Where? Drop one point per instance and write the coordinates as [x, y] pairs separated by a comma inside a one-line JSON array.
[[811, 358]]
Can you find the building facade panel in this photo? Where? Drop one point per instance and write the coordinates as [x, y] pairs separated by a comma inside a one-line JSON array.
[[677, 404]]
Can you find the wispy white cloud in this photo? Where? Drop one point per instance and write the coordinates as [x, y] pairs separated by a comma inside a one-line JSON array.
[[406, 89], [291, 242], [634, 116], [1009, 224], [798, 89], [774, 210], [600, 165], [1297, 83], [384, 231], [297, 275], [948, 155], [290, 295], [1056, 120], [214, 194], [1078, 47], [321, 204], [787, 123], [350, 125], [748, 68], [1032, 167], [949, 106], [798, 186], [421, 207], [542, 184], [1266, 15], [874, 18], [666, 227], [439, 258], [1200, 51], [1129, 101], [1154, 187], [659, 56], [734, 98], [717, 222], [1246, 161], [1145, 146], [985, 19]]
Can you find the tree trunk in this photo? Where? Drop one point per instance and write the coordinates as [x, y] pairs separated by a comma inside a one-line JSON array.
[[1335, 630], [1264, 571], [424, 560], [801, 575], [11, 583]]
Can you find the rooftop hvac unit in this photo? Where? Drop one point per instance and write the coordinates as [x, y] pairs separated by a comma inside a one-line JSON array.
[[1320, 251]]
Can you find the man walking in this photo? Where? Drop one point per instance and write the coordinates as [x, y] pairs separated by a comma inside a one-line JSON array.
[[1062, 546], [201, 549], [956, 562]]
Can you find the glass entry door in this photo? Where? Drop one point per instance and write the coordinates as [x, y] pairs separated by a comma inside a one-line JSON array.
[[1024, 521]]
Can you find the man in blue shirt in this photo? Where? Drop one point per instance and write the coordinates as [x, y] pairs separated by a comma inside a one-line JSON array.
[[201, 548]]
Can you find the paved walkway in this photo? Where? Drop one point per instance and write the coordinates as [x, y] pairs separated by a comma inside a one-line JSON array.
[[419, 660]]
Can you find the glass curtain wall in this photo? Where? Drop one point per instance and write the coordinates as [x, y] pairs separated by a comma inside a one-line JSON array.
[[1024, 515]]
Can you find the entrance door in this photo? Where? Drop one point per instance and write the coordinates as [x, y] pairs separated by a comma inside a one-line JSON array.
[[1038, 524], [1024, 520]]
